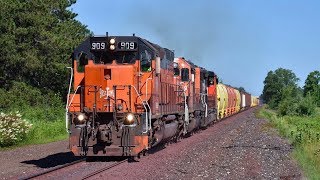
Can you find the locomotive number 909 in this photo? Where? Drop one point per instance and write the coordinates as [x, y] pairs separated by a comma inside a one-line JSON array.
[[127, 45], [98, 46]]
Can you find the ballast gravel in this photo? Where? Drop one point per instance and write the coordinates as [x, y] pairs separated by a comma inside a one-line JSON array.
[[239, 147]]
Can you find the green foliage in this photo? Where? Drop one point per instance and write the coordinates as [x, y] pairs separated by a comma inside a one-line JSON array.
[[274, 84], [33, 104], [308, 157], [44, 132], [312, 86], [287, 107], [307, 106], [293, 103], [282, 94], [304, 134], [298, 129], [12, 128], [45, 111], [36, 41], [299, 106], [288, 102]]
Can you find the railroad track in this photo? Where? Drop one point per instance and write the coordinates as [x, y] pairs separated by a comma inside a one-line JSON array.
[[38, 175], [53, 169], [104, 169]]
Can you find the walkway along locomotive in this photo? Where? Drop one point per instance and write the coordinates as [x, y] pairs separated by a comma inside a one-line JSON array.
[[130, 94]]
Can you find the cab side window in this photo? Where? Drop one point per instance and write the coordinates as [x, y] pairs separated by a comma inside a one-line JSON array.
[[211, 80], [184, 74], [146, 56], [145, 60], [176, 69], [82, 60]]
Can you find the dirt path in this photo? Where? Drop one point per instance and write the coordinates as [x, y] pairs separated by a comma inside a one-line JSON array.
[[239, 147]]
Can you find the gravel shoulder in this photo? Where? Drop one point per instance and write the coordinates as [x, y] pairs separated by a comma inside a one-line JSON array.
[[239, 147], [25, 160]]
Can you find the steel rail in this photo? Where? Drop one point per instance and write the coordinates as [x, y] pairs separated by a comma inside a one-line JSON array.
[[104, 169], [52, 169]]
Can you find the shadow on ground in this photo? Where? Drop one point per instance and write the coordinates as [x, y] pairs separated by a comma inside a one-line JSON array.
[[53, 160]]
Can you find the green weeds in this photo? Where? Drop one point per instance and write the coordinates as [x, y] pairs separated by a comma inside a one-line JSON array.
[[304, 134], [44, 110]]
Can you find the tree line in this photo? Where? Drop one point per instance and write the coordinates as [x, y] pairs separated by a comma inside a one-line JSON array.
[[36, 41], [281, 92]]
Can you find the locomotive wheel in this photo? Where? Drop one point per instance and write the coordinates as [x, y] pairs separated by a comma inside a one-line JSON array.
[[132, 159], [144, 153]]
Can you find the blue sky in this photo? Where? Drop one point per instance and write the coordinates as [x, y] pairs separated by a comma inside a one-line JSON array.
[[241, 40]]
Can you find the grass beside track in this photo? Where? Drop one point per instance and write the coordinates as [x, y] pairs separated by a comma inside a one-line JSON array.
[[303, 133], [48, 124], [45, 132], [42, 132]]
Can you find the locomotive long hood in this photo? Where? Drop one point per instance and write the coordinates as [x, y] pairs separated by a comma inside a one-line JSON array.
[[104, 83]]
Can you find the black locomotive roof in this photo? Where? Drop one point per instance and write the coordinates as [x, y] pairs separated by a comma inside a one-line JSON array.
[[85, 46]]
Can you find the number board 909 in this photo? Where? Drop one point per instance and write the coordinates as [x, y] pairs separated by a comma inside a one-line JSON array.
[[98, 45], [127, 45]]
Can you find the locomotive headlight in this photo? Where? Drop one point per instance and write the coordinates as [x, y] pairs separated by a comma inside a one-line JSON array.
[[112, 47], [81, 117], [112, 41], [129, 119]]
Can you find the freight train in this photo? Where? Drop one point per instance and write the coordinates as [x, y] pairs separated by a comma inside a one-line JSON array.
[[127, 94]]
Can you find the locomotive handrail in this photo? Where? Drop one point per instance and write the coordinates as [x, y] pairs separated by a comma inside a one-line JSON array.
[[147, 126], [148, 103], [73, 96], [205, 103], [67, 104], [186, 111], [67, 108]]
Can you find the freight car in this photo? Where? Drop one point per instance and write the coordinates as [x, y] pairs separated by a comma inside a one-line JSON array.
[[129, 95]]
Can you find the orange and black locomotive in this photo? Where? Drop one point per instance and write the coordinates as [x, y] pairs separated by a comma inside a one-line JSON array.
[[130, 94]]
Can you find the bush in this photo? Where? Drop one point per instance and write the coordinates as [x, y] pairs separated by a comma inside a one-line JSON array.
[[43, 108], [307, 106], [294, 104], [287, 106], [12, 128], [31, 102]]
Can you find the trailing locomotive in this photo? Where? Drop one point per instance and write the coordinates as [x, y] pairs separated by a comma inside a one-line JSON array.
[[130, 94]]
